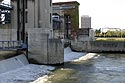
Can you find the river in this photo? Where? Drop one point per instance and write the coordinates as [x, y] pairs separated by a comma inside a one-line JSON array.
[[103, 68]]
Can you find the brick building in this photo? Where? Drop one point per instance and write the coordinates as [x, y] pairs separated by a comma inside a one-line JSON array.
[[69, 11]]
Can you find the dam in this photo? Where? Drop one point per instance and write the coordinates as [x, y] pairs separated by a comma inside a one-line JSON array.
[[99, 46]]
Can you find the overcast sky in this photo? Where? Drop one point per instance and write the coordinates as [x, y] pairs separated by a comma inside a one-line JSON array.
[[104, 13]]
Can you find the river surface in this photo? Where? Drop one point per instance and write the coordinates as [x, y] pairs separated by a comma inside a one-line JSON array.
[[103, 68]]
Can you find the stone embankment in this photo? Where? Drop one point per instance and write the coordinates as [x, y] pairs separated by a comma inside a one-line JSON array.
[[99, 46]]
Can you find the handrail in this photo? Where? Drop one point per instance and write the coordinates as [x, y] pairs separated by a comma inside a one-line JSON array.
[[12, 45]]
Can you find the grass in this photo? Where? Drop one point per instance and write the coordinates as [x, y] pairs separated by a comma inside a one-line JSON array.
[[110, 39]]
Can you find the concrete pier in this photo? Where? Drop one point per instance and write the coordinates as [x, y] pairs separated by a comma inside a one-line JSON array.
[[43, 50]]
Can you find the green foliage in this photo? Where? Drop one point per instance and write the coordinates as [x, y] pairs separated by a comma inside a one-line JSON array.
[[109, 33], [110, 39], [97, 32]]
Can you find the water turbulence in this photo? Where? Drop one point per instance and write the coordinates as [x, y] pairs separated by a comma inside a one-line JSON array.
[[103, 68]]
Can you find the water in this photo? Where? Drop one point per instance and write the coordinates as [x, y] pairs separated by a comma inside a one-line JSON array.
[[103, 68]]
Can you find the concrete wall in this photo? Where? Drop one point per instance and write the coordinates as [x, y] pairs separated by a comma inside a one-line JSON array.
[[89, 37], [13, 63], [102, 46], [78, 46], [99, 46], [37, 44], [84, 38], [8, 34], [14, 15], [43, 50], [39, 31], [55, 51], [39, 14], [31, 15]]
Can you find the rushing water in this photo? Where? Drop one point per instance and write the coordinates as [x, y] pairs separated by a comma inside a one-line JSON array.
[[103, 68]]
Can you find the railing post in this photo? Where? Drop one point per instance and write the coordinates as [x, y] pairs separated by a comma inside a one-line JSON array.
[[8, 44], [2, 44], [27, 45], [13, 45]]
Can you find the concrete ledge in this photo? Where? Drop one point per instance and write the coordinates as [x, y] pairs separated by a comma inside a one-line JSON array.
[[99, 46], [7, 54]]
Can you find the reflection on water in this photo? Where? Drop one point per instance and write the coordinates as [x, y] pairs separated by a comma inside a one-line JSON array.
[[103, 68]]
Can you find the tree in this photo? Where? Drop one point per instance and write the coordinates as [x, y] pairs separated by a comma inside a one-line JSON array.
[[97, 32]]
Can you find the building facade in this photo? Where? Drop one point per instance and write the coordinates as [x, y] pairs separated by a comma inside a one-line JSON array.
[[9, 29], [86, 33], [85, 21], [57, 25], [29, 14], [69, 11], [33, 19], [39, 14]]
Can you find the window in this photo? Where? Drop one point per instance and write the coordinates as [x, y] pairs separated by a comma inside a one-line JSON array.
[[50, 3], [50, 18]]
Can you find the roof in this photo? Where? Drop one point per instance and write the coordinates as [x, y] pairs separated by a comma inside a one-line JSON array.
[[68, 2]]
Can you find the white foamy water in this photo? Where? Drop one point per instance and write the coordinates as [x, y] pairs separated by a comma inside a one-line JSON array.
[[86, 56], [69, 55], [26, 74], [32, 73]]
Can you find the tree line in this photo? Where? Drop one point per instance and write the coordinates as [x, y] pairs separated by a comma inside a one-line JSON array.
[[109, 33]]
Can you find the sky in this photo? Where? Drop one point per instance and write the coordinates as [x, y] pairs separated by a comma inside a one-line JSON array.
[[104, 13]]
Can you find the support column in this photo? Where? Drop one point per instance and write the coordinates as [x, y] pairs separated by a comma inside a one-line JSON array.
[[36, 13]]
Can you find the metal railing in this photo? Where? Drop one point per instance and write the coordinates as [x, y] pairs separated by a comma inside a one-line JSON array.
[[11, 45]]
